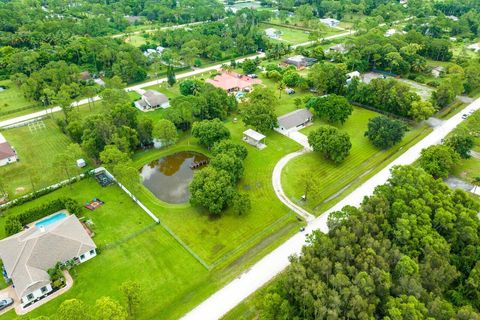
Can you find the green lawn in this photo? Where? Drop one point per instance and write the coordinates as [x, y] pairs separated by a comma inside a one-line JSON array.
[[293, 35], [37, 150], [231, 235], [136, 40], [337, 180], [468, 169], [13, 102]]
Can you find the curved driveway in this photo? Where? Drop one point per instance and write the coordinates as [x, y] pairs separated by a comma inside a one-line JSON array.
[[276, 261]]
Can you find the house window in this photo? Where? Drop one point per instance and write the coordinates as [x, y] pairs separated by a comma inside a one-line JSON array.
[[82, 257], [92, 252], [30, 296], [44, 289]]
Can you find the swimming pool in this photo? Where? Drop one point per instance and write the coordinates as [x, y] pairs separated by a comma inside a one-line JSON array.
[[50, 220]]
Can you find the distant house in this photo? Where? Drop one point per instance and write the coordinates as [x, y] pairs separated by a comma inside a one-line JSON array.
[[300, 61], [338, 48], [232, 82], [294, 120], [391, 32], [453, 18], [149, 52], [437, 71], [133, 19], [353, 74], [7, 153], [151, 100], [160, 49], [329, 22], [28, 255], [272, 33], [475, 47]]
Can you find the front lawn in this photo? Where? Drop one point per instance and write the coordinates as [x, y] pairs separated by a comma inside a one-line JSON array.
[[337, 180]]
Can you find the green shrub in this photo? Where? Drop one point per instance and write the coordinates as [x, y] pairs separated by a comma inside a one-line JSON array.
[[12, 225]]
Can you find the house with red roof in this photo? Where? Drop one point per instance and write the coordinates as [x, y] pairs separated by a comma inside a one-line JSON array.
[[231, 81]]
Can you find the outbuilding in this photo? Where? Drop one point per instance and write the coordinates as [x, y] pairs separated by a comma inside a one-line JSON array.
[[254, 138]]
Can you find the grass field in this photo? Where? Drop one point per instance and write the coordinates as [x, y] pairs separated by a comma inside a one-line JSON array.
[[136, 40], [469, 169], [231, 234], [12, 99], [36, 149], [337, 179]]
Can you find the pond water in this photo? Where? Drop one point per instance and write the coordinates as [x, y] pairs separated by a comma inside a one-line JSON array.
[[2, 88], [169, 177]]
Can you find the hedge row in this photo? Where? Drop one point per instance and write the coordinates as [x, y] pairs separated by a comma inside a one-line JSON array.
[[15, 223]]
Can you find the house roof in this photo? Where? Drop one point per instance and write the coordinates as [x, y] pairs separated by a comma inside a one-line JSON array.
[[155, 98], [6, 150], [257, 136], [29, 254], [232, 80], [294, 118]]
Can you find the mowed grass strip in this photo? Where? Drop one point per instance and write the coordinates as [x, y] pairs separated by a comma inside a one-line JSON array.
[[335, 179], [13, 101], [37, 150]]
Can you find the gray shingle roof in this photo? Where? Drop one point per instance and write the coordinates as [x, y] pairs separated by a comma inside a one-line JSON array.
[[29, 254], [294, 118], [155, 98]]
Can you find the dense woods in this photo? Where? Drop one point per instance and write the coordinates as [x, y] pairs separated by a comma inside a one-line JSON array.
[[410, 251]]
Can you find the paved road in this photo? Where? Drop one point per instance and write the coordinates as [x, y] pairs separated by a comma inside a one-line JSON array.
[[271, 265], [39, 114]]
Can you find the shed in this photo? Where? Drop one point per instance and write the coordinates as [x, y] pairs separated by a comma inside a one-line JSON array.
[[294, 120], [254, 138], [300, 61], [81, 163]]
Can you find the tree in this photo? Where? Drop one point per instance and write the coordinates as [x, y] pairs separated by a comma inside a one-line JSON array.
[[241, 204], [444, 95], [384, 132], [212, 189], [165, 131], [111, 156], [421, 110], [310, 184], [332, 108], [66, 160], [190, 87], [327, 78], [291, 78], [231, 148], [72, 309], [461, 144], [145, 131], [108, 309], [230, 164], [331, 142], [127, 175], [208, 132], [171, 79], [249, 66], [259, 111], [438, 160], [132, 293]]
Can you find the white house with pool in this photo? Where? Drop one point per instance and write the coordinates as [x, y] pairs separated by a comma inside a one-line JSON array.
[[29, 254]]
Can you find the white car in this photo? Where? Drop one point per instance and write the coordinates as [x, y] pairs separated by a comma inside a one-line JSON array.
[[5, 303]]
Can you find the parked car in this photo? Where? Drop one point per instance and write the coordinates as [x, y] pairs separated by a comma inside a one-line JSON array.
[[465, 116], [290, 91], [5, 303], [252, 75]]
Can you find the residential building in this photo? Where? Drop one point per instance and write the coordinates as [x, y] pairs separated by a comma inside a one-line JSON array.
[[7, 152], [300, 61], [330, 22], [28, 255], [294, 120], [151, 100], [232, 82], [272, 33]]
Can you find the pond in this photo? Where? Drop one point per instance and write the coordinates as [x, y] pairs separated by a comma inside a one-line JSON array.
[[2, 88], [169, 177]]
